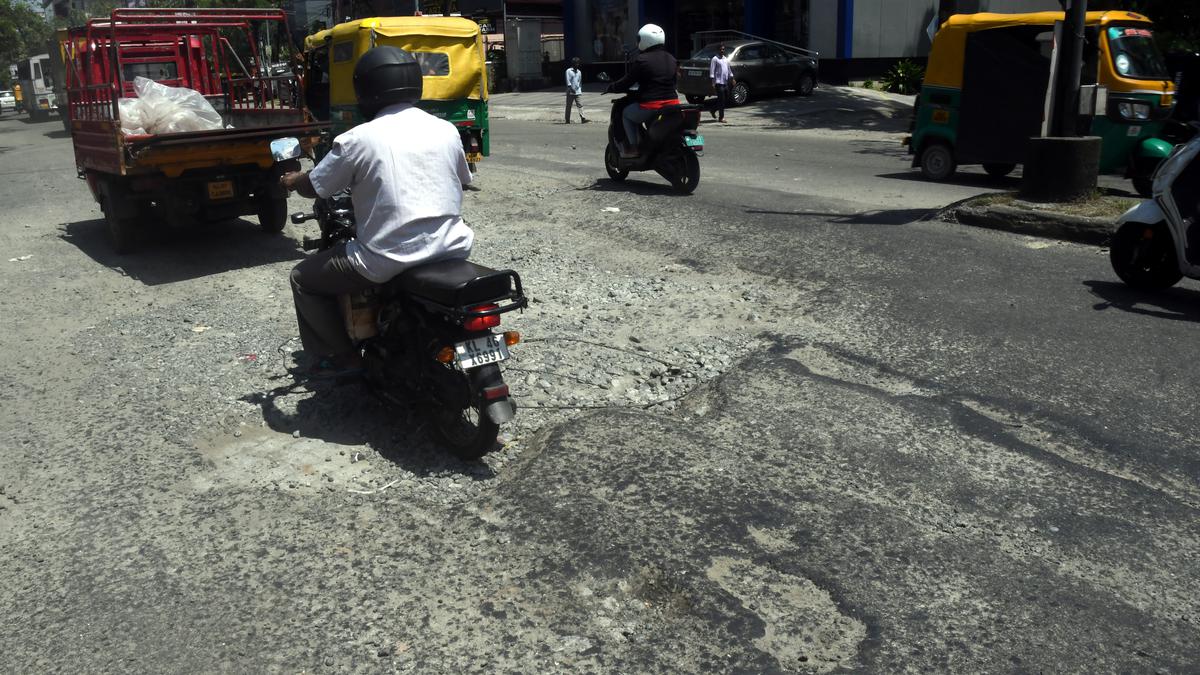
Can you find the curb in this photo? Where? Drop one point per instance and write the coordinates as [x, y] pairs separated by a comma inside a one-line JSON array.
[[1029, 221]]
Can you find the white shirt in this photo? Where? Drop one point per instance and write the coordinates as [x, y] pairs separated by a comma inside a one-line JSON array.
[[406, 169], [719, 70], [574, 81]]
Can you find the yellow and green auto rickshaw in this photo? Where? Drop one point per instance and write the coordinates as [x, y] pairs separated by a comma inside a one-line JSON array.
[[449, 49], [986, 86]]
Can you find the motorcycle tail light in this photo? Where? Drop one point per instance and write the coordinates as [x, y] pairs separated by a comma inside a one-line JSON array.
[[476, 323], [493, 393]]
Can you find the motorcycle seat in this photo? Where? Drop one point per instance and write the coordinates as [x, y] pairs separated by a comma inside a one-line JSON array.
[[452, 283]]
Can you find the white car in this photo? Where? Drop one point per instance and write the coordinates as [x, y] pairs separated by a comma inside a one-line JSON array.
[[7, 101]]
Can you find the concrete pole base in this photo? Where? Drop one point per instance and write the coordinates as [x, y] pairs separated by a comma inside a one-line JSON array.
[[1060, 169]]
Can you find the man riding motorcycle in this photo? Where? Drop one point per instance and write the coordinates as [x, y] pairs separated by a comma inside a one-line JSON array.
[[656, 72], [406, 170]]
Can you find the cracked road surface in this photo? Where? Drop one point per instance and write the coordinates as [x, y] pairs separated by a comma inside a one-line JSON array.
[[825, 438]]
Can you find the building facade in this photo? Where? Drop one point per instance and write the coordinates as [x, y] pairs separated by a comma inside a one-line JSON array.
[[852, 32]]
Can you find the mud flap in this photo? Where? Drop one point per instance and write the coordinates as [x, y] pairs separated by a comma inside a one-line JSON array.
[[502, 410]]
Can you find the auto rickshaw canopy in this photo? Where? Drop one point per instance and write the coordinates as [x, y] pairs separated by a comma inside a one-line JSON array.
[[449, 49], [949, 45]]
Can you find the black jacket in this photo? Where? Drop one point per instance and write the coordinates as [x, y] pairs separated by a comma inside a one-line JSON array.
[[655, 72]]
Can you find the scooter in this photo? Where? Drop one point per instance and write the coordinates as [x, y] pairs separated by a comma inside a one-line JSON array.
[[1157, 242], [670, 146], [427, 335]]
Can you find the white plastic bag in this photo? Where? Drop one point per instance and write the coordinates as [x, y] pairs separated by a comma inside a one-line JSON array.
[[160, 109]]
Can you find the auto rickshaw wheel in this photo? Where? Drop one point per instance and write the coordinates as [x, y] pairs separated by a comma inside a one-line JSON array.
[[1143, 256], [997, 170], [937, 161], [1144, 185], [122, 232], [272, 214]]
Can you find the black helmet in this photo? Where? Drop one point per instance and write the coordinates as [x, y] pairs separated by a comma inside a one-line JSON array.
[[385, 76]]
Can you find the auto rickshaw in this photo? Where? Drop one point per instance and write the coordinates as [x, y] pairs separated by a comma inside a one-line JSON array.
[[449, 49], [986, 86]]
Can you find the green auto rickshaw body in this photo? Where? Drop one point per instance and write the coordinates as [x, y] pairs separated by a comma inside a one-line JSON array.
[[985, 89]]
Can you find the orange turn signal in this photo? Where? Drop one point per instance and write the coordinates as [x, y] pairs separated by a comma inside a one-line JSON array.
[[511, 337], [445, 355]]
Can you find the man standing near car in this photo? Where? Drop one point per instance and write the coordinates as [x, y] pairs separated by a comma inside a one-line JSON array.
[[721, 75], [574, 90]]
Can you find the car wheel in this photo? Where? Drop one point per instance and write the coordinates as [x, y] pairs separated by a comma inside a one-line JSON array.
[[937, 161], [805, 84], [741, 93], [694, 100]]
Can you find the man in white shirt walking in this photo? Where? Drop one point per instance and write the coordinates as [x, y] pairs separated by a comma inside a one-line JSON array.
[[721, 75], [574, 89], [406, 170]]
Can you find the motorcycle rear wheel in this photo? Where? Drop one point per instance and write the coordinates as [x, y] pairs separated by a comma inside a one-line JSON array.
[[468, 433]]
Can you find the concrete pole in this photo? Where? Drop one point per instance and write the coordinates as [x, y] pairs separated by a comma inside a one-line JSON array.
[[1070, 63]]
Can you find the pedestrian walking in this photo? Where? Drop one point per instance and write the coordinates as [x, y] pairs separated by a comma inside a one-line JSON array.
[[574, 89], [722, 82]]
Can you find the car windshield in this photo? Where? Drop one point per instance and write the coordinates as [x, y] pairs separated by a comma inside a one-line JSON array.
[[1134, 53], [708, 51]]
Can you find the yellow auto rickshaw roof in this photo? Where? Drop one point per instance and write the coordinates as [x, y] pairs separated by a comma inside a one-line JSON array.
[[946, 57], [395, 26]]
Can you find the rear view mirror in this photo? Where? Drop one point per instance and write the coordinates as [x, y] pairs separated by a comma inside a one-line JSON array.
[[283, 149]]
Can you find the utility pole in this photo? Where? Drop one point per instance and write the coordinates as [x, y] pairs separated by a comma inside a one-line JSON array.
[[1070, 63], [1063, 166]]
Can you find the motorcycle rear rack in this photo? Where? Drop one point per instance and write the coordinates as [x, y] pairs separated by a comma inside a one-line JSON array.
[[460, 311]]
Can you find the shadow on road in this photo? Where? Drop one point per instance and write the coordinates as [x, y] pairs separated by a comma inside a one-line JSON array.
[[878, 217], [1177, 304], [633, 186], [827, 108], [169, 255], [981, 180], [348, 413], [57, 133]]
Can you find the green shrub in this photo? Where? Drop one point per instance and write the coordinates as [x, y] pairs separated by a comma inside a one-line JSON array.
[[869, 84], [904, 78]]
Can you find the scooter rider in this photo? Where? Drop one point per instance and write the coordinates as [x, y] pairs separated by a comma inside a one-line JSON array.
[[656, 72], [406, 171]]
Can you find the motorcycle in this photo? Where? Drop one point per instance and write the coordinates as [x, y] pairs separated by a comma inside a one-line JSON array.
[[1157, 242], [427, 335], [670, 145]]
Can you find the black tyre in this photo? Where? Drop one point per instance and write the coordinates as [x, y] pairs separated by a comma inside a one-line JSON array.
[[688, 179], [937, 162], [122, 232], [272, 214], [1143, 256], [1144, 185], [996, 170], [468, 433], [612, 165], [740, 93], [805, 84], [694, 99]]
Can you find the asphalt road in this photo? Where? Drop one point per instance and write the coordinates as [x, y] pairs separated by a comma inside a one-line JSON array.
[[944, 448]]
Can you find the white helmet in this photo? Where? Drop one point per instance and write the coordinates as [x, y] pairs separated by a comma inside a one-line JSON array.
[[650, 36]]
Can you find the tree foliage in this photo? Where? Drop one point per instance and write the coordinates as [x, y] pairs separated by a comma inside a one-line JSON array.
[[23, 33]]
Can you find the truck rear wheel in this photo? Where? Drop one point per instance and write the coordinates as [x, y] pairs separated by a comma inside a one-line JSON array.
[[272, 214], [122, 232]]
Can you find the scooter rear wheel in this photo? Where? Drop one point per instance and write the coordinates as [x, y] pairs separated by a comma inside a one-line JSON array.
[[612, 163]]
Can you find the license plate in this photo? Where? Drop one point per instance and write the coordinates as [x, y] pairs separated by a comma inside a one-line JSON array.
[[691, 71], [481, 351], [474, 156], [697, 142], [220, 190]]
